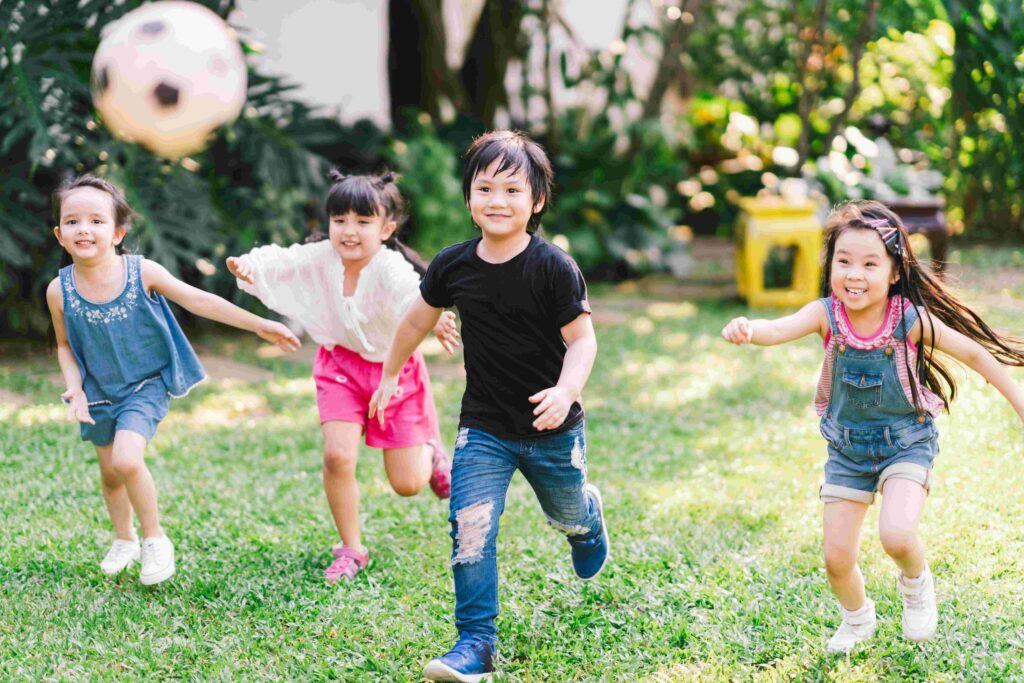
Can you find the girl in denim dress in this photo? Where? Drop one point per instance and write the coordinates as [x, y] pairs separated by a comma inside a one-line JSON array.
[[122, 354], [883, 317]]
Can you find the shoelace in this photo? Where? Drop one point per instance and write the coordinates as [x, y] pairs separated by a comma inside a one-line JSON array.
[[150, 552], [914, 599], [119, 551]]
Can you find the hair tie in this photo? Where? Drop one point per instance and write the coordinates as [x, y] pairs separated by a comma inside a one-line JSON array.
[[388, 177], [890, 234], [336, 175]]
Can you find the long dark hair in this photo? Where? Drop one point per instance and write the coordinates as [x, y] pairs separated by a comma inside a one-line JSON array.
[[924, 290], [371, 195]]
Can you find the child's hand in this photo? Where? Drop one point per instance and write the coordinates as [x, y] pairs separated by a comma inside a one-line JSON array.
[[78, 406], [380, 399], [739, 331], [447, 332], [555, 404], [240, 267], [276, 333]]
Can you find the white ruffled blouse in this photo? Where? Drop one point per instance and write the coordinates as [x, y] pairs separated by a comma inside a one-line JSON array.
[[305, 282]]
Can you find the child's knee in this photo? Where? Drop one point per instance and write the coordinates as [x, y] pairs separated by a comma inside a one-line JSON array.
[[407, 486], [339, 461], [840, 558], [898, 541], [125, 464], [109, 477], [473, 527]]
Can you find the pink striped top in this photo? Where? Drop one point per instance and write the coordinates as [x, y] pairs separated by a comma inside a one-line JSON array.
[[884, 337]]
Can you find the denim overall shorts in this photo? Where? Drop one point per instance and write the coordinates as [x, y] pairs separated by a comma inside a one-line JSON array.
[[874, 433]]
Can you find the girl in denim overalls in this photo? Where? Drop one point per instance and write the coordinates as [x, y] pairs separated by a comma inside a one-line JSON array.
[[878, 397], [122, 354]]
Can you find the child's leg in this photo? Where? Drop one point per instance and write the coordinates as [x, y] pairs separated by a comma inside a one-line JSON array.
[[842, 522], [127, 460], [119, 506], [482, 468], [408, 469], [902, 504], [557, 470], [341, 446]]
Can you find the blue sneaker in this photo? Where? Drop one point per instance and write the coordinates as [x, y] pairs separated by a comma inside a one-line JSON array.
[[589, 556], [470, 660]]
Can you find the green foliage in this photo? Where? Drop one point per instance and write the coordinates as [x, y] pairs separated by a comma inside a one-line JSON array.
[[988, 105], [250, 186], [431, 182], [610, 202]]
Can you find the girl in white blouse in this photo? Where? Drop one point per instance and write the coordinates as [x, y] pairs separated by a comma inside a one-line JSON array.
[[349, 293]]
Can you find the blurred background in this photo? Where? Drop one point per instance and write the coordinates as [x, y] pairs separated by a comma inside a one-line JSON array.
[[660, 117]]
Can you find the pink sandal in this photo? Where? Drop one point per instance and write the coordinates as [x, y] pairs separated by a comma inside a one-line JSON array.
[[347, 563], [441, 471]]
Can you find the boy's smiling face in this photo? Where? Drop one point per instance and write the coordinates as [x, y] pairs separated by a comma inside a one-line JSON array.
[[502, 203]]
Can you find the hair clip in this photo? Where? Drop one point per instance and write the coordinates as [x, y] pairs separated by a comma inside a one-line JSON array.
[[890, 234], [388, 177]]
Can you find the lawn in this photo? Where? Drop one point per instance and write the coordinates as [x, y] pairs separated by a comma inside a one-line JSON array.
[[708, 458]]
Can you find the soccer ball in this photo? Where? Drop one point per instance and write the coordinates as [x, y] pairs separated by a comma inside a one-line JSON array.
[[167, 75]]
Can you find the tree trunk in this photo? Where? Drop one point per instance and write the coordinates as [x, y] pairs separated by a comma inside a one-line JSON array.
[[493, 45], [419, 76]]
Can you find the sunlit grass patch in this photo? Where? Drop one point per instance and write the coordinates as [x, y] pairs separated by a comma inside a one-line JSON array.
[[708, 457]]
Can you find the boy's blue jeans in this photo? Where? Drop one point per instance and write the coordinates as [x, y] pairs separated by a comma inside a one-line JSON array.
[[555, 466]]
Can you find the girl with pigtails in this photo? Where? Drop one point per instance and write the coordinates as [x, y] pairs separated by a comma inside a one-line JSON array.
[[349, 292], [883, 317]]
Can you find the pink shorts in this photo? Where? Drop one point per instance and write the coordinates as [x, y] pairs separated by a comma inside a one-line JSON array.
[[345, 381]]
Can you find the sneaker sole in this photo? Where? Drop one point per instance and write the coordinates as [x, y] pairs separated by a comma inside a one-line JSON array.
[[118, 570], [159, 577], [439, 671], [840, 651], [604, 532], [922, 637]]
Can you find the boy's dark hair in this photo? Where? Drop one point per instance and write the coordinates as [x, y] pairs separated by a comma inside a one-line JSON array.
[[918, 285], [372, 195], [515, 152], [123, 212]]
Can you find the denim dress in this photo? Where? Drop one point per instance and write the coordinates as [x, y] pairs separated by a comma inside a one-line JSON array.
[[131, 353], [873, 430]]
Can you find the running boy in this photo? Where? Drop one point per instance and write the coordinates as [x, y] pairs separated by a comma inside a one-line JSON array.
[[529, 347]]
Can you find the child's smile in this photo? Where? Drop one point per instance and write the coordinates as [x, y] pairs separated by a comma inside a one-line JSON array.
[[862, 270]]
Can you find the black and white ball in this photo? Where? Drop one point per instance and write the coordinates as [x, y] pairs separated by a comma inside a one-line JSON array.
[[167, 75]]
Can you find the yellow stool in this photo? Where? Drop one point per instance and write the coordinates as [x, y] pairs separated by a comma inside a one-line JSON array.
[[765, 223]]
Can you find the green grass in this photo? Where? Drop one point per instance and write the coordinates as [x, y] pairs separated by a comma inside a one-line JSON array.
[[708, 458]]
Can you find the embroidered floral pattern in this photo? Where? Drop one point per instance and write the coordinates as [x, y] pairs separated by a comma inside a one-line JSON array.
[[102, 314]]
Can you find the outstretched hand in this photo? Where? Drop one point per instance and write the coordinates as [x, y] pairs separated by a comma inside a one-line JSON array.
[[739, 331], [381, 397], [276, 333], [240, 267], [78, 406], [447, 332]]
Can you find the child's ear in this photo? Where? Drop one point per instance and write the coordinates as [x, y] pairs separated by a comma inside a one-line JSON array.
[[119, 233], [539, 204], [387, 231], [895, 277], [56, 233]]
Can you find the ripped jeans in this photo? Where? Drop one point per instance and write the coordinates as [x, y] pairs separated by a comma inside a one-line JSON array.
[[556, 468]]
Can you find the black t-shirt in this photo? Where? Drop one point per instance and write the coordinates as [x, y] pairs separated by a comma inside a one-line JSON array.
[[511, 315]]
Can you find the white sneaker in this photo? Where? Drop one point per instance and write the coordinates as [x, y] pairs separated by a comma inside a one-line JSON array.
[[920, 615], [120, 556], [157, 560], [857, 627]]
